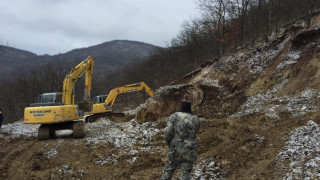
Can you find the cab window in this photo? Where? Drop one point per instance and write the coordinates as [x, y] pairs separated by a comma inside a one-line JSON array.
[[46, 98]]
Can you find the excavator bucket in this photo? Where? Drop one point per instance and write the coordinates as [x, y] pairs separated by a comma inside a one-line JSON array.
[[85, 105]]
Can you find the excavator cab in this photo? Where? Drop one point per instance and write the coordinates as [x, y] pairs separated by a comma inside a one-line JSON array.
[[48, 99], [99, 99], [55, 97]]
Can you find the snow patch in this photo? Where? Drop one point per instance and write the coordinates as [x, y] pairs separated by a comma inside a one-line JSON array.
[[258, 61], [51, 153], [207, 169], [288, 59], [300, 158], [134, 111], [121, 134], [269, 104], [164, 89], [293, 55], [68, 172], [109, 160], [280, 86], [206, 77], [210, 82], [19, 129]]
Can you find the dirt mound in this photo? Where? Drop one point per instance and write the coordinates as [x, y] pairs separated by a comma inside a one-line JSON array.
[[207, 101]]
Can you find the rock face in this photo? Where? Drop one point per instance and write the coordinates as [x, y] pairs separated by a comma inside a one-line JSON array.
[[315, 21]]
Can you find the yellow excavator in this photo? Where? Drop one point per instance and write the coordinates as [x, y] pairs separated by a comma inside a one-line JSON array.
[[103, 104], [57, 111]]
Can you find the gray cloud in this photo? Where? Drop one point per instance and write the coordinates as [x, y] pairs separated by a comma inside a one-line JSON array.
[[57, 26]]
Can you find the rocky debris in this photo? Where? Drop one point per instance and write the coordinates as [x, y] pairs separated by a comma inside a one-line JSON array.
[[51, 153], [18, 129], [300, 158], [121, 134], [204, 77], [165, 101], [208, 169], [315, 21], [68, 172], [112, 159], [271, 106], [288, 59]]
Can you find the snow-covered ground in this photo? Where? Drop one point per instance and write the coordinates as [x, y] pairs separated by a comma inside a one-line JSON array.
[[102, 131], [205, 77], [19, 129], [121, 134], [207, 169], [271, 105], [300, 158], [129, 137], [68, 172]]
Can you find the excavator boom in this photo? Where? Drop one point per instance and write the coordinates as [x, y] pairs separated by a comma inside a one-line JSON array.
[[126, 89], [86, 67]]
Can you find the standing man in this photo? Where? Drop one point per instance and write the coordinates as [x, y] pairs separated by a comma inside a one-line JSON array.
[[1, 117], [181, 137]]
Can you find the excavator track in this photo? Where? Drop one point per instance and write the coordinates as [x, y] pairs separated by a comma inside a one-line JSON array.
[[46, 131], [78, 129], [117, 117]]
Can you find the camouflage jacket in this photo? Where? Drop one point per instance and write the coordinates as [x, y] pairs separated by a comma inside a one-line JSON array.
[[181, 136]]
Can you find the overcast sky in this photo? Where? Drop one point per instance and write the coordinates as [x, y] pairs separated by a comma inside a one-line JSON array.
[[58, 26]]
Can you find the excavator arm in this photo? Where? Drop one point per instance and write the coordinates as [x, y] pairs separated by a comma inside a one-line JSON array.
[[86, 67], [126, 89]]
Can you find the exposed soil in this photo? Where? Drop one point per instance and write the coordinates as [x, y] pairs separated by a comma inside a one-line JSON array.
[[244, 148]]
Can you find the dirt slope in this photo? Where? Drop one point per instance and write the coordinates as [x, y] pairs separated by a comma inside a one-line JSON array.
[[259, 112]]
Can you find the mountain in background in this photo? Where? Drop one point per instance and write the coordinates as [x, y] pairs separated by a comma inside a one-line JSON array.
[[107, 56], [11, 57], [114, 54], [10, 52]]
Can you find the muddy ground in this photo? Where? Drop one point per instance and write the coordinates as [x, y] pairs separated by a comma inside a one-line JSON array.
[[229, 149]]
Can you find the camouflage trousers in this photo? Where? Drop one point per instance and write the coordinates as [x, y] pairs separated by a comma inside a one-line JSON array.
[[171, 165]]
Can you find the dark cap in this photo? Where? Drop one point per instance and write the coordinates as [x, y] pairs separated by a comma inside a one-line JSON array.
[[185, 106]]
